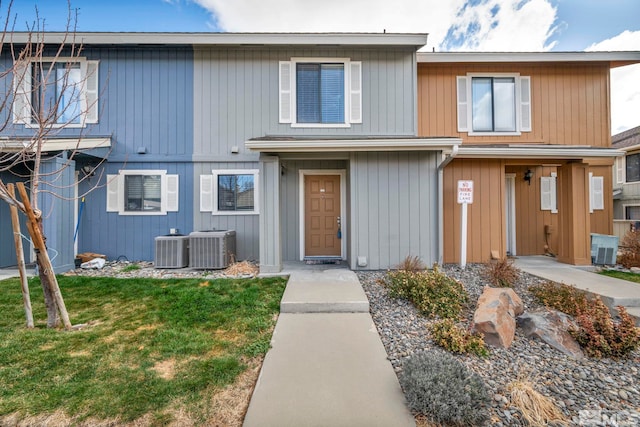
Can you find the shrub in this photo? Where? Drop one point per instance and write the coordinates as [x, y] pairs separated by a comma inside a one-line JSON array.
[[443, 389], [601, 336], [596, 331], [456, 339], [630, 250], [561, 297], [432, 292], [501, 273], [411, 263]]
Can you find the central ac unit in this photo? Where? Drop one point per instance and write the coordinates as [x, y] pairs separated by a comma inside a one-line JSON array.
[[212, 249], [172, 252]]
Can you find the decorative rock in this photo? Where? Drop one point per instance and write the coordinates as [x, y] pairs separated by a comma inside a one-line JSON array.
[[495, 317], [552, 328]]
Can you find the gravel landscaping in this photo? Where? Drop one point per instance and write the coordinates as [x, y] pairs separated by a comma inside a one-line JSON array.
[[588, 391]]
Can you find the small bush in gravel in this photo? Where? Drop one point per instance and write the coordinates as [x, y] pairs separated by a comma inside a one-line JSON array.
[[432, 292], [411, 263], [630, 250], [456, 339], [601, 336], [561, 297], [501, 273], [446, 391]]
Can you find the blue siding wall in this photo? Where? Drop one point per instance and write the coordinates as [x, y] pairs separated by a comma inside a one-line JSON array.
[[7, 246]]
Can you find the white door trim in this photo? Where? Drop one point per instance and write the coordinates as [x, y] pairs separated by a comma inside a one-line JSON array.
[[510, 212], [343, 206]]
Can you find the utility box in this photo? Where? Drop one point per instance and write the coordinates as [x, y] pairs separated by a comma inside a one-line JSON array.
[[604, 249], [172, 251], [212, 249]]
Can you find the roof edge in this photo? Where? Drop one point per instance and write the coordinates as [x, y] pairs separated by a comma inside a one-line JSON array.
[[615, 58]]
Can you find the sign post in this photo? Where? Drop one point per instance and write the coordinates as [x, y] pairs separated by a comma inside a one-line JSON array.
[[465, 197]]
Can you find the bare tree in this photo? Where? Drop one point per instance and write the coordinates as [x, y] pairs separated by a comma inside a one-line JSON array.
[[51, 88]]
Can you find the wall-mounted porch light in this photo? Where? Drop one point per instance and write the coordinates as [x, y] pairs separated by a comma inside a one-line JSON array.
[[528, 175]]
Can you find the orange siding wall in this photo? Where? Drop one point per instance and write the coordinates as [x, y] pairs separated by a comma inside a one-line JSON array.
[[569, 102], [530, 219], [602, 220], [485, 215]]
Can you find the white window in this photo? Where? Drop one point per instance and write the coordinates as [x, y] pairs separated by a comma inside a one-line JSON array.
[[548, 193], [230, 192], [596, 193], [142, 192], [56, 91], [320, 92], [497, 104]]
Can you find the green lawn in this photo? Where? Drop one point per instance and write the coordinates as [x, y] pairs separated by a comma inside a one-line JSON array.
[[149, 344], [632, 277]]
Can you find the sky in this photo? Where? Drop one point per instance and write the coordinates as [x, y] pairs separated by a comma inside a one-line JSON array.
[[462, 25]]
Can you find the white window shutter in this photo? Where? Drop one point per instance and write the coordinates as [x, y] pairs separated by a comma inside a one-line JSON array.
[[545, 193], [113, 193], [463, 104], [285, 83], [91, 92], [525, 104], [172, 188], [22, 92], [596, 193], [554, 194], [355, 88], [620, 163], [206, 193]]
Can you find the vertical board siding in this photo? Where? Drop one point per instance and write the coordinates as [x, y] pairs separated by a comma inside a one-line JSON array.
[[290, 201], [246, 226], [393, 208], [602, 220], [132, 236], [570, 103], [237, 96], [486, 215], [7, 246]]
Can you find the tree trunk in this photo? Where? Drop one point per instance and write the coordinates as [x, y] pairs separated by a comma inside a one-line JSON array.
[[17, 239]]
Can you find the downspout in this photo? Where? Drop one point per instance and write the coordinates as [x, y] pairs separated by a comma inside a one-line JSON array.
[[441, 166]]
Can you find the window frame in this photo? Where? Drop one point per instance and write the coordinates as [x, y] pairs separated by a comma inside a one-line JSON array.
[[352, 91], [214, 191], [624, 210], [518, 104], [626, 165], [23, 87], [116, 188]]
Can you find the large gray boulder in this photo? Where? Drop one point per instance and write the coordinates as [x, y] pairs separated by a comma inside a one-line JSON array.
[[551, 327], [495, 317]]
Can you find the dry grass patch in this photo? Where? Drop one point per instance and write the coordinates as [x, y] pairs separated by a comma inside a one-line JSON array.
[[243, 268], [166, 369], [537, 409]]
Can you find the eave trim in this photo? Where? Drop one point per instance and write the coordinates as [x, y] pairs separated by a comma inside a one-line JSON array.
[[345, 145], [61, 144], [563, 152]]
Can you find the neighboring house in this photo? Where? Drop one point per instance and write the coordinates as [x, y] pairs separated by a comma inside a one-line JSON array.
[[536, 142], [626, 175], [339, 146]]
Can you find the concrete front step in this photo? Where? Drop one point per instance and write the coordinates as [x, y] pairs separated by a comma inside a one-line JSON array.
[[635, 313], [324, 291]]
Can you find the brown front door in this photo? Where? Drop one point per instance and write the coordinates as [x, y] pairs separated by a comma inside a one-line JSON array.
[[322, 215]]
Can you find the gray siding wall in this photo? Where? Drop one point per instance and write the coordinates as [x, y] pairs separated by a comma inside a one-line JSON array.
[[290, 201], [394, 210], [237, 97], [246, 226]]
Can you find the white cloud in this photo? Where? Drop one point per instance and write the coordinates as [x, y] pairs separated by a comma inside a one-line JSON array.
[[625, 82]]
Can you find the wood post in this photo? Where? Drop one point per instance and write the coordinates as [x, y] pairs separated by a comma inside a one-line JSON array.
[[17, 239], [47, 268]]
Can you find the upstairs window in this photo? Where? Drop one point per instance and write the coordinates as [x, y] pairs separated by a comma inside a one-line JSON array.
[[633, 167], [320, 92], [494, 104], [61, 92]]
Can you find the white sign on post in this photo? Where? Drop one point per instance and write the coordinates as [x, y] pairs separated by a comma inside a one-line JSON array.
[[465, 197]]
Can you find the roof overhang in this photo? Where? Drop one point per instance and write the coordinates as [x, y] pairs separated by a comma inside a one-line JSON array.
[[311, 145], [225, 39], [564, 152], [615, 59], [57, 144]]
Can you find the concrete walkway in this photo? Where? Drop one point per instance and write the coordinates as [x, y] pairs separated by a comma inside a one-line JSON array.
[[613, 291], [327, 365]]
